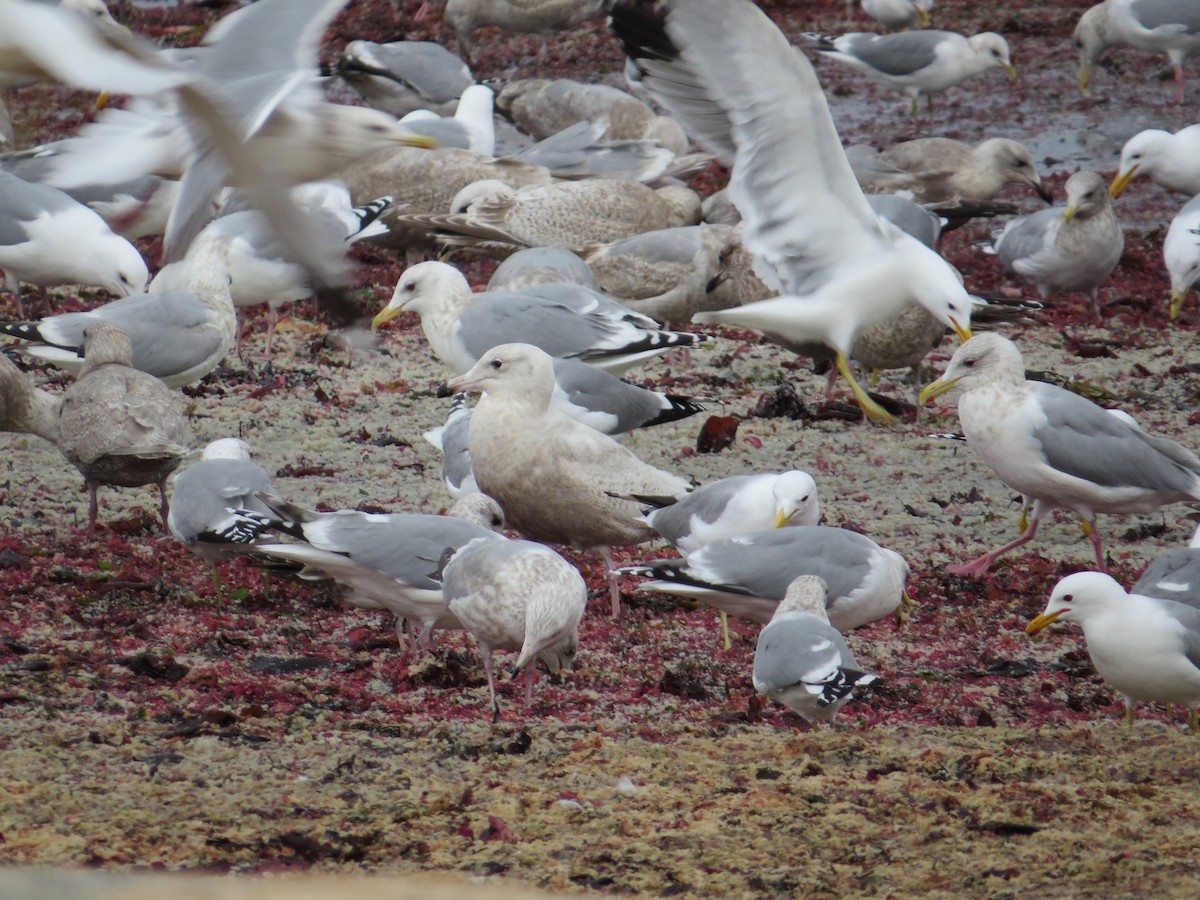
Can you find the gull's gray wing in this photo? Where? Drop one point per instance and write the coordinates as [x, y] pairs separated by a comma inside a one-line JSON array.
[[541, 265], [800, 649], [706, 502], [24, 201], [1028, 236], [614, 406], [1170, 15], [427, 67], [894, 54], [1173, 576], [203, 493], [1082, 439]]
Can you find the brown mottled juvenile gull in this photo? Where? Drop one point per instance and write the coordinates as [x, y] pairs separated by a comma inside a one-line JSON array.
[[120, 426], [935, 169], [180, 331], [668, 274], [801, 660], [1147, 648], [1163, 26], [1171, 160], [747, 576], [25, 409], [921, 62], [735, 81], [565, 320], [1057, 448], [1061, 250], [48, 238], [1181, 253], [401, 76], [515, 595], [206, 494], [553, 477]]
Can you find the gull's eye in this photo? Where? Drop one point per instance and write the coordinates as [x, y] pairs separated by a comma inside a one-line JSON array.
[[411, 286], [497, 364], [1068, 598], [969, 363]]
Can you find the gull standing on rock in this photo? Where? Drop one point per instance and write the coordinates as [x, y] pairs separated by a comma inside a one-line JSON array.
[[1057, 448], [1145, 647], [921, 62], [1065, 250], [801, 660], [1170, 160], [554, 478], [516, 595], [120, 426], [744, 91]]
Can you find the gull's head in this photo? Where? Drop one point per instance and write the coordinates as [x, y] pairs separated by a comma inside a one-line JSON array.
[[421, 289], [994, 49], [129, 274], [361, 131], [1181, 253], [227, 448], [1086, 196], [1092, 36], [1140, 153], [940, 290], [105, 343], [984, 359], [1077, 597], [806, 594], [1011, 160], [487, 189], [796, 502], [510, 369]]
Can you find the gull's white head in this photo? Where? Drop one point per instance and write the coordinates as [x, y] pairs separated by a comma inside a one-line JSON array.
[[421, 289], [227, 448], [1181, 253], [938, 287], [128, 274], [796, 502], [987, 358], [1078, 597], [993, 49], [1141, 153]]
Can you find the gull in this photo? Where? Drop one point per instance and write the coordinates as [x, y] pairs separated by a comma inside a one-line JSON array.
[[897, 14], [1161, 26], [47, 239], [402, 76], [25, 409], [1057, 448], [541, 17], [453, 439], [387, 560], [801, 660], [1171, 160], [565, 320], [1181, 253], [936, 169], [921, 62], [541, 265], [557, 480], [1174, 576], [471, 127], [120, 426], [206, 493], [180, 331], [515, 595], [736, 82], [1065, 250], [1145, 647], [746, 576]]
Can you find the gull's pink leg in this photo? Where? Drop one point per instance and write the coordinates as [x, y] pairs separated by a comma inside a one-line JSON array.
[[491, 677], [1179, 82], [614, 587], [1094, 533], [983, 563], [530, 680]]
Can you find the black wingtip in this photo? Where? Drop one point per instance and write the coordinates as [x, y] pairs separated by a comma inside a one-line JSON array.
[[640, 26]]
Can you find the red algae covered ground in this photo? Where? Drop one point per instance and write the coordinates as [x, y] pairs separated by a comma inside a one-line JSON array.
[[150, 719]]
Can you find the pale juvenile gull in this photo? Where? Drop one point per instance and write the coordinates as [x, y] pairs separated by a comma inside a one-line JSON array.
[[543, 108], [262, 271], [495, 218], [1057, 448], [120, 426], [936, 169], [553, 477], [746, 92], [515, 595], [921, 62], [541, 17], [541, 265], [453, 438], [668, 275], [565, 320], [1181, 253], [25, 409], [1174, 576], [1171, 160], [747, 576], [1162, 26], [1061, 250], [48, 239], [801, 660], [1145, 647], [180, 331], [469, 128], [898, 14], [401, 76], [386, 560], [205, 495]]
